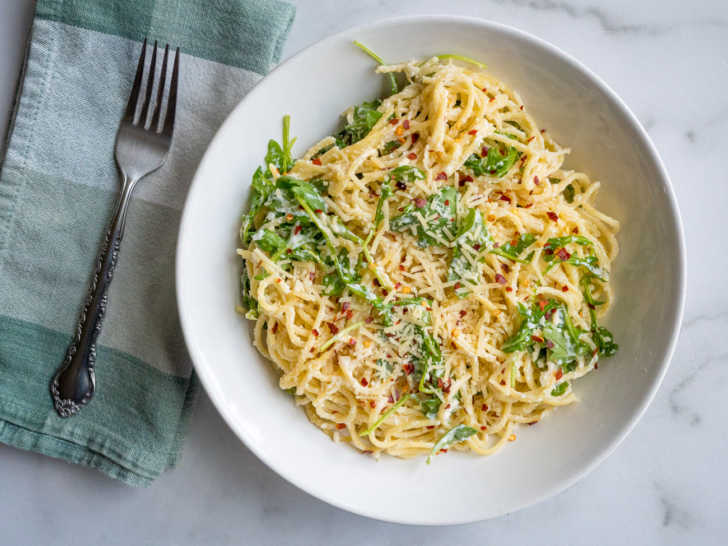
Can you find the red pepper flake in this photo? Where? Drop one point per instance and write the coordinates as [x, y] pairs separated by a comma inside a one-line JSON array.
[[484, 90], [483, 428], [289, 251], [537, 339], [447, 202], [473, 132], [503, 382], [542, 304], [352, 341], [278, 280], [332, 328], [563, 254], [430, 427], [315, 332], [564, 288], [447, 407], [505, 198], [441, 176], [476, 246], [575, 230], [297, 230], [491, 99], [369, 320], [543, 131], [275, 328], [402, 268], [553, 216], [484, 407], [530, 139], [390, 399], [340, 425], [397, 285], [385, 292], [316, 161], [372, 404], [559, 374], [349, 314], [408, 369], [375, 282], [345, 306], [420, 202], [509, 289], [364, 382], [521, 108], [549, 343], [411, 155], [457, 286], [394, 121], [318, 211], [464, 179], [415, 137], [536, 180], [484, 151], [312, 276], [462, 313], [596, 365], [406, 124], [500, 279], [528, 206]]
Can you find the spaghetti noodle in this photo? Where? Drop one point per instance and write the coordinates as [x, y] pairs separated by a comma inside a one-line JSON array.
[[431, 276]]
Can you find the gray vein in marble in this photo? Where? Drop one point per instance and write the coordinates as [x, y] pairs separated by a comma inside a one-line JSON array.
[[672, 513], [608, 23], [681, 409]]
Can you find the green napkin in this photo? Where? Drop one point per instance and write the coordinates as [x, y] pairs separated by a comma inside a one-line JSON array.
[[57, 189]]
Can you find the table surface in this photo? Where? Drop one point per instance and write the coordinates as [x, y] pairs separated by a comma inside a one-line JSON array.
[[666, 484]]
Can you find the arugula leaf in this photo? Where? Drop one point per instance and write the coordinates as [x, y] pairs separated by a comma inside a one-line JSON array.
[[302, 191], [439, 212], [390, 75], [365, 117], [390, 146], [560, 242], [385, 193], [569, 193], [562, 337], [453, 436], [280, 154], [248, 300], [406, 173], [261, 188], [386, 414], [498, 161], [586, 286], [513, 251], [428, 363], [430, 406], [560, 389], [472, 234], [269, 241]]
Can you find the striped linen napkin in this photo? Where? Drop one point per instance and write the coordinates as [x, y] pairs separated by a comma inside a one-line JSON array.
[[57, 188]]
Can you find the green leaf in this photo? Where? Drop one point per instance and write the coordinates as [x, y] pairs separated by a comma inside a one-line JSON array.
[[304, 191], [591, 264], [406, 173], [384, 416], [430, 406], [497, 163], [560, 389], [439, 213], [452, 436], [560, 242], [269, 241], [365, 117], [472, 237], [390, 75], [569, 193], [248, 300], [604, 341], [390, 146], [513, 252], [261, 189]]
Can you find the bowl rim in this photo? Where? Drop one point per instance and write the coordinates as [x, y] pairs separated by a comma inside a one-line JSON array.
[[205, 374]]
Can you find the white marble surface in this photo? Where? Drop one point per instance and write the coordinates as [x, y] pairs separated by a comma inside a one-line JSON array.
[[666, 484]]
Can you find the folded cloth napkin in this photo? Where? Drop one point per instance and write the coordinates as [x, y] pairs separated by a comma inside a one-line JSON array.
[[57, 189]]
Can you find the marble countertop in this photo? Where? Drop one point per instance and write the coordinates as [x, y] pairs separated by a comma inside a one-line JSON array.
[[666, 484]]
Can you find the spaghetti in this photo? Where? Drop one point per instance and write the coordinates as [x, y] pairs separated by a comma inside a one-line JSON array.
[[431, 276]]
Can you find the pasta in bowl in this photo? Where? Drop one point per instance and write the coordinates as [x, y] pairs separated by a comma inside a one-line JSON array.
[[431, 276]]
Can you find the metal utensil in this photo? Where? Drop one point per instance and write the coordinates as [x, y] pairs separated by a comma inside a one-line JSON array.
[[142, 146]]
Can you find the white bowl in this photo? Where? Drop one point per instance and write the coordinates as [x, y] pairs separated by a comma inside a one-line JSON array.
[[608, 143]]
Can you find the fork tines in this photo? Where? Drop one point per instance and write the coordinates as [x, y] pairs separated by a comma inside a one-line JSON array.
[[143, 119]]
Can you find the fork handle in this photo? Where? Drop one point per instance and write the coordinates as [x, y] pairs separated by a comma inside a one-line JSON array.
[[75, 381]]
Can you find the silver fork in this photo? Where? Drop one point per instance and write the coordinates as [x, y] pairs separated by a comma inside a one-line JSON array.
[[141, 148]]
